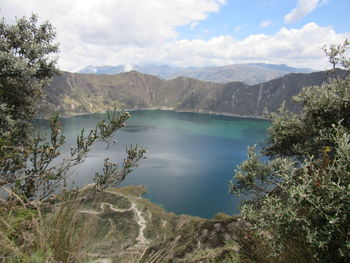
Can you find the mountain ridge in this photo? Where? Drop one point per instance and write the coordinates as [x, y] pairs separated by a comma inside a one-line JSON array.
[[251, 73], [76, 93]]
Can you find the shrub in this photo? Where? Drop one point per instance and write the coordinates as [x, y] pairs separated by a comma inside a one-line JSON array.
[[298, 201]]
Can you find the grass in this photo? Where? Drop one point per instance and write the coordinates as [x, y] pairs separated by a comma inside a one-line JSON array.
[[75, 229], [256, 247]]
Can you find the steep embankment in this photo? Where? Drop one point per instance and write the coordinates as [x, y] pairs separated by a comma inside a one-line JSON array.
[[74, 93], [127, 228]]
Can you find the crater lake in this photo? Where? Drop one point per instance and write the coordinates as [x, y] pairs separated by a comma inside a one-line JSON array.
[[191, 157]]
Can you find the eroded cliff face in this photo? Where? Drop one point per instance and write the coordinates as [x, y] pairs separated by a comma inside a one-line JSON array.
[[74, 93]]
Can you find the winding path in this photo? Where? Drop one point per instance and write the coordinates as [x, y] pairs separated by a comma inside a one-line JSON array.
[[102, 206], [142, 242]]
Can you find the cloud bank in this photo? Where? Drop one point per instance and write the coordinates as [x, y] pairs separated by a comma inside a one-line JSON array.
[[115, 22], [295, 47], [114, 32], [303, 8], [265, 23]]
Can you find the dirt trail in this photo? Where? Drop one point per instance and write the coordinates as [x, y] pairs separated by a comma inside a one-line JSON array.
[[141, 241], [102, 206], [142, 223], [140, 220]]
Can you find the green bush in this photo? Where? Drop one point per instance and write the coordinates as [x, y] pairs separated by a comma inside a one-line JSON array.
[[298, 201]]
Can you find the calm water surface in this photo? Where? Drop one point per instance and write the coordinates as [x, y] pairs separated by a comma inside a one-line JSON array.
[[190, 161]]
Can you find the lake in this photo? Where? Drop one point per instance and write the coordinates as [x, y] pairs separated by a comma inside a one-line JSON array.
[[191, 157]]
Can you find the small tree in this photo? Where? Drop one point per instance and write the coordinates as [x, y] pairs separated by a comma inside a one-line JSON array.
[[299, 200], [27, 174], [27, 63]]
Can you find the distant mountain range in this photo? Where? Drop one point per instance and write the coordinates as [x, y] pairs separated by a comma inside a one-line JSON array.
[[76, 93], [247, 73]]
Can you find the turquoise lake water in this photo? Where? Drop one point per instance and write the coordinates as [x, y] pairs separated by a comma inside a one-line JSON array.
[[191, 156]]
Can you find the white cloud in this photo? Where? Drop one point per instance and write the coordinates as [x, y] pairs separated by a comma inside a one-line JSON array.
[[295, 47], [128, 67], [324, 2], [303, 8], [116, 21], [136, 32], [85, 24], [194, 24], [266, 23]]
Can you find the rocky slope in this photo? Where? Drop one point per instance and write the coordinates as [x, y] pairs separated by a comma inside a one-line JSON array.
[[246, 73], [74, 93]]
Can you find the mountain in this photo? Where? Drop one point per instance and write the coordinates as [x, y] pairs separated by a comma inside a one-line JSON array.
[[283, 67], [247, 73], [76, 93]]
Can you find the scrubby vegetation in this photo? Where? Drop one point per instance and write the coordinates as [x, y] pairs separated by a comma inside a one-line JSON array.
[[34, 225], [298, 200]]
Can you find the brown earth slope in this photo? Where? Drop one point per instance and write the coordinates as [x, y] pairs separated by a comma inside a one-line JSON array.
[[74, 93]]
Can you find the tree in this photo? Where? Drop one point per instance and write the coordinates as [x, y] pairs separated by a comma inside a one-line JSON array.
[[299, 199], [28, 175], [27, 63]]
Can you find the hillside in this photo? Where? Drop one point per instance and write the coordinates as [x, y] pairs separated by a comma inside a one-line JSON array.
[[246, 73], [74, 93], [124, 227]]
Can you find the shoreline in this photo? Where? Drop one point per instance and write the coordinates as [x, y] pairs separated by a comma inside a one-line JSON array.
[[67, 116]]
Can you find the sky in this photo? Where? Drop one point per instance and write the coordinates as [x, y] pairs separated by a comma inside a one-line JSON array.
[[189, 32]]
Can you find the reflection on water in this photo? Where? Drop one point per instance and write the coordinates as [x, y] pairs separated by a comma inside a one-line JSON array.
[[138, 128], [190, 161]]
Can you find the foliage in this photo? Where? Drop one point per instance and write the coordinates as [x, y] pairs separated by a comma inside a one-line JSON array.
[[292, 135], [37, 178], [45, 233], [27, 62], [26, 155], [299, 199], [31, 166]]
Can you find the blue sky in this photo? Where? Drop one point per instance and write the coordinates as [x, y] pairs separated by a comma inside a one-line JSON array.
[[190, 32], [241, 18]]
